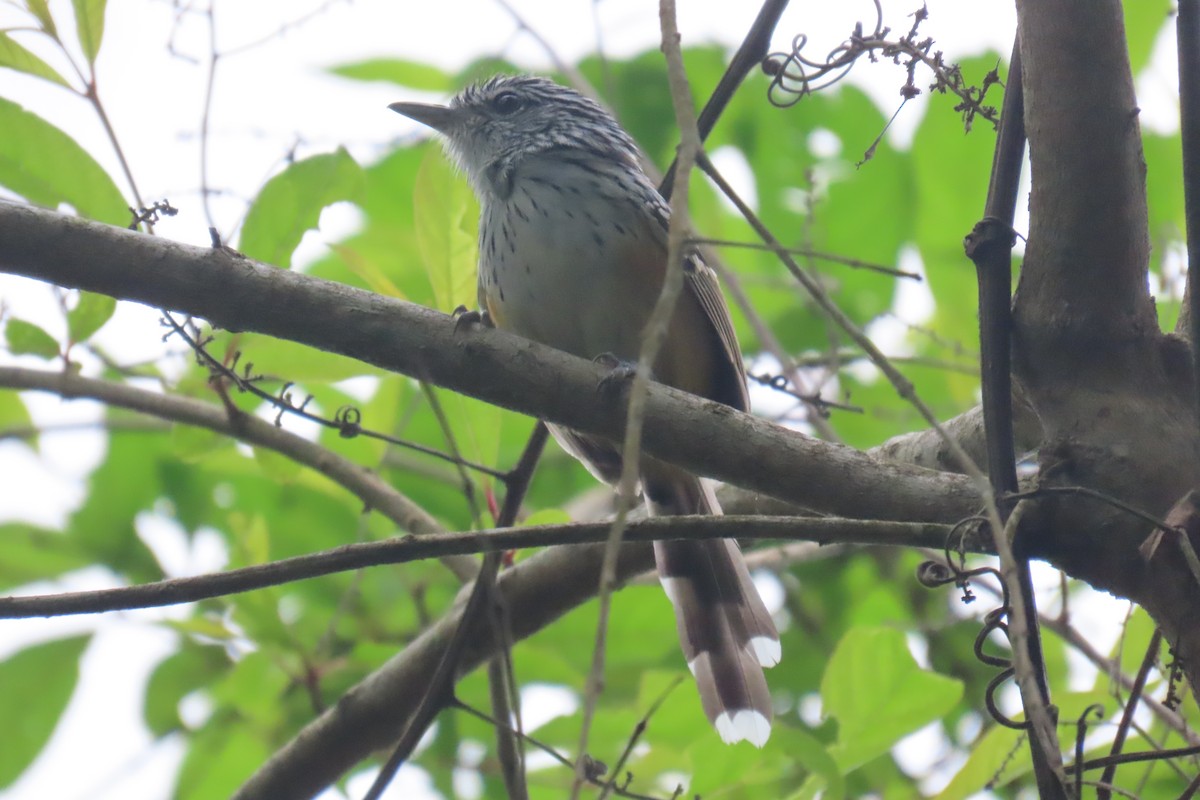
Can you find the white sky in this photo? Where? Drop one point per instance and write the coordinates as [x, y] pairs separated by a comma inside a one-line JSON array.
[[268, 99]]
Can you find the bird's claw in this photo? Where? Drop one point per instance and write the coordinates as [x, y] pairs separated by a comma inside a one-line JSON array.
[[465, 317], [619, 371]]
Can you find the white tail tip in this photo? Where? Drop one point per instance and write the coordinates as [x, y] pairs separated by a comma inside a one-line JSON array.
[[745, 724], [767, 651]]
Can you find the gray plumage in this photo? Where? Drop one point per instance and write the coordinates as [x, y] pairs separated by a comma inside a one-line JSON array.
[[572, 246]]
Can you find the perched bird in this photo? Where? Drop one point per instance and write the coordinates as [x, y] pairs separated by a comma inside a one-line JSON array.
[[572, 253]]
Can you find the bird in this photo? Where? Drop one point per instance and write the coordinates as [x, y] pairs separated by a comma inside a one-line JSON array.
[[573, 254]]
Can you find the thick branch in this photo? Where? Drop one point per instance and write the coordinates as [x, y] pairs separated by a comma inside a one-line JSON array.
[[927, 448], [1084, 275], [1113, 393], [236, 293]]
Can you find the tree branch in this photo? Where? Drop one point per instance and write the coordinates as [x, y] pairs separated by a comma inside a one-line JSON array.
[[375, 493], [236, 293], [824, 530]]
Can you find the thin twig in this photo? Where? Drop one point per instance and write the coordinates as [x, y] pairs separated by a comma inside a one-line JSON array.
[[375, 493], [830, 530], [545, 748], [1133, 758], [502, 681], [638, 731], [810, 253], [772, 345], [902, 385], [466, 484], [1135, 694], [210, 80], [653, 336], [346, 422], [440, 686], [1187, 31], [749, 56]]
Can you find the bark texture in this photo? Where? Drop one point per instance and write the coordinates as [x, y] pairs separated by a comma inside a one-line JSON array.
[[1111, 390]]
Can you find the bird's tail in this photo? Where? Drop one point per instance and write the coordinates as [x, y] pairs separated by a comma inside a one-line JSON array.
[[725, 631]]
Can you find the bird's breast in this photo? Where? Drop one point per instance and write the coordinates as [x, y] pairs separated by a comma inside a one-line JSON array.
[[570, 261]]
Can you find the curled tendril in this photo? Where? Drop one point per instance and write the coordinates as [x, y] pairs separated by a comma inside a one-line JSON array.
[[348, 419], [953, 570], [1081, 729], [795, 75]]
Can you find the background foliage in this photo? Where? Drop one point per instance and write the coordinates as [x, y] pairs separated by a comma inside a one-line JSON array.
[[850, 688]]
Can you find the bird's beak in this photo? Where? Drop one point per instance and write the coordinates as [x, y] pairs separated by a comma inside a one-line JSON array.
[[440, 118]]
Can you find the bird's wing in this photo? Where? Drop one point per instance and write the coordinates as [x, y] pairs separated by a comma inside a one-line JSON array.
[[701, 280]]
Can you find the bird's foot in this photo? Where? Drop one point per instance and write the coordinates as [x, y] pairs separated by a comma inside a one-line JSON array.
[[620, 371], [465, 317]]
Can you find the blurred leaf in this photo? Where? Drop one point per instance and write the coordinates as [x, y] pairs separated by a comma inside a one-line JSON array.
[[207, 627], [878, 694], [446, 216], [809, 751], [254, 686], [400, 71], [1144, 22], [29, 553], [1002, 754], [38, 682], [283, 361], [476, 426], [183, 672], [251, 538], [14, 416], [370, 272], [14, 56], [221, 756], [191, 443], [127, 482], [89, 315], [1130, 648], [41, 10], [47, 167], [89, 21], [26, 339], [948, 209], [291, 203], [275, 465]]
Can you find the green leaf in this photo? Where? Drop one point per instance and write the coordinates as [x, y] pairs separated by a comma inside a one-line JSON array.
[[47, 167], [228, 744], [1144, 21], [89, 315], [402, 72], [26, 339], [1002, 754], [15, 56], [14, 417], [476, 425], [284, 360], [291, 202], [38, 682], [29, 553], [178, 675], [89, 21], [447, 220], [277, 466], [808, 750], [129, 481], [878, 694], [41, 10]]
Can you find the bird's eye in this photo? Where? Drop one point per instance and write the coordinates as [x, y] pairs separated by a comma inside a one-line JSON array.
[[507, 102]]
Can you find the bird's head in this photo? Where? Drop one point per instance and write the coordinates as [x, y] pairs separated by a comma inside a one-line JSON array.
[[492, 126]]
